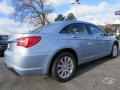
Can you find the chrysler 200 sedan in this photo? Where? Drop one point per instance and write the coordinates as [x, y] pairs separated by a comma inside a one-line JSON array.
[[57, 49]]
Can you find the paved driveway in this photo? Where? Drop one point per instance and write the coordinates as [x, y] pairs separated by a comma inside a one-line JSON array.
[[103, 74]]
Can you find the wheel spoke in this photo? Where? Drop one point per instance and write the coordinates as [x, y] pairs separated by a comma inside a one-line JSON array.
[[60, 70], [60, 66], [65, 73], [68, 71], [62, 74], [68, 61], [115, 50], [70, 68], [62, 61], [65, 59], [70, 64]]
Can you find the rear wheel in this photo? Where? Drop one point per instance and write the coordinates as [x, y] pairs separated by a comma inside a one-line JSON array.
[[64, 67], [114, 52]]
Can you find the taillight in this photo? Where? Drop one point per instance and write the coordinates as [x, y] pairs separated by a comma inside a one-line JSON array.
[[28, 41]]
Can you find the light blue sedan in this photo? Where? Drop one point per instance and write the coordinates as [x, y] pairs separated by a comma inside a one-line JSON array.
[[57, 49]]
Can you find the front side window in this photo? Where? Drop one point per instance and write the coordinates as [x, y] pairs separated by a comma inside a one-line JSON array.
[[95, 30], [76, 28]]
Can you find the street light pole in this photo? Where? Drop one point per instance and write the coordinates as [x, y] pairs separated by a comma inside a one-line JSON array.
[[117, 13], [76, 2]]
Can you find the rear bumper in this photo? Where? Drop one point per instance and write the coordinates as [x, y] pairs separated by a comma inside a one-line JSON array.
[[35, 64], [25, 71]]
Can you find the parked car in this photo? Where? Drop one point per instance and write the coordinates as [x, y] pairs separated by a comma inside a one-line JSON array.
[[58, 48], [3, 44]]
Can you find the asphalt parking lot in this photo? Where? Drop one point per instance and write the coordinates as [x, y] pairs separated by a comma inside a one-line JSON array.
[[102, 74]]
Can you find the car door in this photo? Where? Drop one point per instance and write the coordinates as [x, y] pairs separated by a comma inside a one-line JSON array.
[[102, 42], [85, 43]]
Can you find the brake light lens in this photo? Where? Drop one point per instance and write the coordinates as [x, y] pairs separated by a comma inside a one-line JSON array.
[[28, 41]]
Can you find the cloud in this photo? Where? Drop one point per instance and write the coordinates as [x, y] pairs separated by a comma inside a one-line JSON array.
[[5, 8], [8, 26], [103, 13], [54, 2], [52, 16], [86, 9], [58, 2]]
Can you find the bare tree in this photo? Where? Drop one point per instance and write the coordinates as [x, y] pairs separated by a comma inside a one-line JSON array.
[[33, 11]]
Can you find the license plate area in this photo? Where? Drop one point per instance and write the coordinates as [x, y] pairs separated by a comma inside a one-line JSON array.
[[9, 46]]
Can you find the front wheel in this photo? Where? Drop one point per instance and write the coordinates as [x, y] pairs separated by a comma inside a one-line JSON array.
[[114, 52], [64, 67]]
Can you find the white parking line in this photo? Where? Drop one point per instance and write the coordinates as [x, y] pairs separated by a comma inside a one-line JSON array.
[[108, 80]]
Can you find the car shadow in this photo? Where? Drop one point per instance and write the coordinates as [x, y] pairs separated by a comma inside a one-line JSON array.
[[81, 69]]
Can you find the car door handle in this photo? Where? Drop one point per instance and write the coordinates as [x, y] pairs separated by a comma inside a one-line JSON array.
[[90, 43], [75, 37]]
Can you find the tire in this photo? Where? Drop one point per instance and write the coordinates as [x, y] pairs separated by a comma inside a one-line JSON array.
[[59, 67], [114, 52]]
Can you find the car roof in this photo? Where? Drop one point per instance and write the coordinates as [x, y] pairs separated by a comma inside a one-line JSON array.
[[55, 27]]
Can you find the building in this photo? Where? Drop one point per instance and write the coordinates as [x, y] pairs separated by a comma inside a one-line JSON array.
[[115, 28]]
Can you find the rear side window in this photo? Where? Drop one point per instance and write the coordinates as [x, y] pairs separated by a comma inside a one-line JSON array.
[[75, 28]]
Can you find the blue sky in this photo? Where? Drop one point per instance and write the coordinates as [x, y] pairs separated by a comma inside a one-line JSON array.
[[59, 9], [95, 11], [68, 5]]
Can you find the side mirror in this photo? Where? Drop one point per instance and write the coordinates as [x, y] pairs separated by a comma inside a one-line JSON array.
[[102, 34], [109, 34]]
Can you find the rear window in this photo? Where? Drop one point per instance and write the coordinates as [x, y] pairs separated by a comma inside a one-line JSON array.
[[50, 28]]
